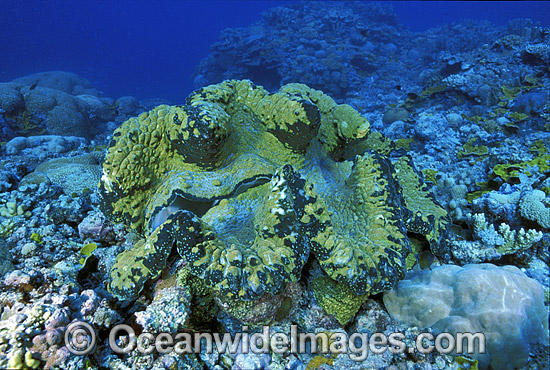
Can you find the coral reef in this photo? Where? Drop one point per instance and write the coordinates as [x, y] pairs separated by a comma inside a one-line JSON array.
[[66, 82], [318, 48], [22, 324], [11, 174], [96, 227], [288, 208], [58, 103], [167, 313], [5, 258]]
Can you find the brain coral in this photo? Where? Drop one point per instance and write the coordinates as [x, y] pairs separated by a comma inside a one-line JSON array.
[[247, 185]]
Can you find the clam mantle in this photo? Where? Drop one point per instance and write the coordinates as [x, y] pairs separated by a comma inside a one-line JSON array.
[[248, 185]]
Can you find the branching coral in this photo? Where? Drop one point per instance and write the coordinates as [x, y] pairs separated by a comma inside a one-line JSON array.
[[505, 240]]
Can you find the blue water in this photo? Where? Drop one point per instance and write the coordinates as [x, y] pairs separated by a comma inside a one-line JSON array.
[[149, 49]]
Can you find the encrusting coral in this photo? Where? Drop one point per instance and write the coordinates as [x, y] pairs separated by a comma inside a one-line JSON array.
[[73, 174], [247, 184]]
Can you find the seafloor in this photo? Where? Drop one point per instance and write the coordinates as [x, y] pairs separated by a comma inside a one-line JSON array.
[[468, 102]]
